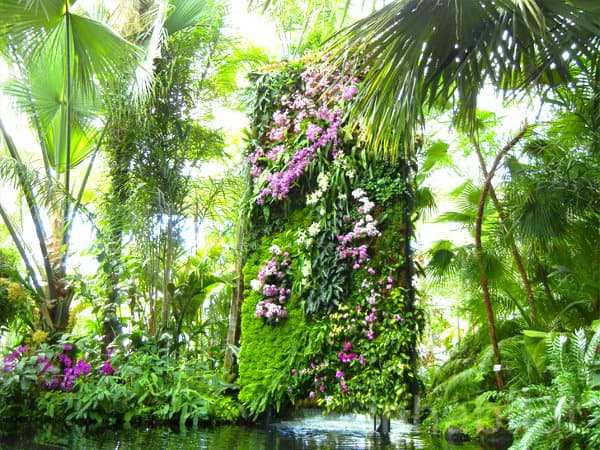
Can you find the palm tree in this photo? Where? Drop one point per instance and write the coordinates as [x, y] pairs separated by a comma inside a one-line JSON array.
[[154, 142], [62, 59]]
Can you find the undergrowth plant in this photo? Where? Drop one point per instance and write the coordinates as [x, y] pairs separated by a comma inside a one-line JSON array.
[[73, 382], [565, 413]]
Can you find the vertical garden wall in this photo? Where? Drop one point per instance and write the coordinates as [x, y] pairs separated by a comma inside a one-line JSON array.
[[328, 316]]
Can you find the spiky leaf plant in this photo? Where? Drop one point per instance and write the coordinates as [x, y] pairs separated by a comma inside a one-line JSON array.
[[565, 413]]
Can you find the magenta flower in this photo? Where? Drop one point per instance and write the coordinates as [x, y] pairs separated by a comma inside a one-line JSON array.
[[277, 134], [53, 384], [347, 346], [107, 368], [21, 349], [348, 92], [345, 389], [339, 374], [64, 359], [281, 119], [83, 367]]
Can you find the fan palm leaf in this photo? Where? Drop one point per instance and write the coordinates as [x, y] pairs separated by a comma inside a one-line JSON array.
[[61, 58]]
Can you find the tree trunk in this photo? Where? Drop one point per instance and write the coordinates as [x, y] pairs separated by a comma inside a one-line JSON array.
[[407, 275], [237, 297], [479, 253], [508, 234], [166, 305]]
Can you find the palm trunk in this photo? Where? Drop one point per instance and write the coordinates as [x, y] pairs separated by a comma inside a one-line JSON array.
[[120, 158], [111, 325], [508, 234], [479, 252], [406, 277], [58, 260], [51, 295], [166, 306]]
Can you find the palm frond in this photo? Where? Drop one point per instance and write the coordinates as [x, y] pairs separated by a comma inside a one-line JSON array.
[[187, 13], [417, 54], [442, 265]]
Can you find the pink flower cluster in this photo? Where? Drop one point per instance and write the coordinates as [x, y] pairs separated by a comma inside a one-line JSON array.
[[345, 356], [10, 362], [60, 374], [300, 112], [366, 226], [271, 282]]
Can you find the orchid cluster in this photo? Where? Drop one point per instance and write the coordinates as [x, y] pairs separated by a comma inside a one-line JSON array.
[[10, 361], [299, 132], [366, 226], [54, 371], [272, 282], [353, 342]]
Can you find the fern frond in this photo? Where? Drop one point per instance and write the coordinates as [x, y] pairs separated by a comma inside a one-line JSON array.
[[592, 347], [577, 347], [534, 433], [556, 352]]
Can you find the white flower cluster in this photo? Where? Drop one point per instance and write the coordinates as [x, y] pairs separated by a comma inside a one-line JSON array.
[[314, 229], [323, 182], [306, 268], [358, 193], [313, 198], [341, 161], [303, 239], [256, 285]]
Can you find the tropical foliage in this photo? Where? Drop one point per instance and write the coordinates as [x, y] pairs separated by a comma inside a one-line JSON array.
[[565, 413], [62, 58], [294, 276]]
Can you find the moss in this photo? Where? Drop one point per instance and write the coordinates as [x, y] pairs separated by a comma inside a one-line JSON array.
[[265, 360], [473, 417], [268, 350]]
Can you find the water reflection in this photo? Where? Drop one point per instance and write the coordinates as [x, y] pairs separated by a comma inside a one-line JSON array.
[[311, 432], [351, 431]]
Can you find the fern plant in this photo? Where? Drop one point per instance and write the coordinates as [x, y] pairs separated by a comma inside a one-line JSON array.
[[563, 414]]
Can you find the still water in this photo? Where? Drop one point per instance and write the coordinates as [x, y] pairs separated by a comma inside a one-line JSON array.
[[312, 431]]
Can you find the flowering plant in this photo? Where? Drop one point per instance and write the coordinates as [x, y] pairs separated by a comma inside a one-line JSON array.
[[53, 367], [308, 123], [273, 282], [365, 227], [356, 366]]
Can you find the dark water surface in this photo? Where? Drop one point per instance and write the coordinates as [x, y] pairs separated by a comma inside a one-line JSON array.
[[313, 431]]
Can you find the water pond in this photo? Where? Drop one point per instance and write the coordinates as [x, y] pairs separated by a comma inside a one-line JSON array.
[[307, 433]]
